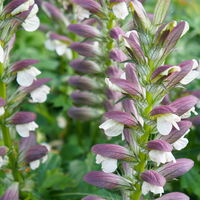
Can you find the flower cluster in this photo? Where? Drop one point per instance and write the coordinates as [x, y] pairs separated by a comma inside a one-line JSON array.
[[22, 74], [151, 126]]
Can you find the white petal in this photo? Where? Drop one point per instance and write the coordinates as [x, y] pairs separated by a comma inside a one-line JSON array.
[[169, 157], [32, 126], [146, 188], [23, 129], [34, 11], [188, 113], [186, 29], [2, 110], [109, 165], [170, 70], [112, 128], [180, 144], [61, 49], [34, 164], [49, 44], [23, 7], [164, 127], [120, 10], [24, 78], [69, 53], [61, 121], [190, 77], [99, 159], [31, 24], [82, 13], [2, 54], [39, 95]]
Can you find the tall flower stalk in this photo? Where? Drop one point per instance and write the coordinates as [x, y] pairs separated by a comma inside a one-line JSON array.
[[151, 127], [13, 15]]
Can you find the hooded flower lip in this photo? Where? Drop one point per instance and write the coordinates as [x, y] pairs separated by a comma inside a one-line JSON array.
[[174, 196], [85, 49], [121, 117], [112, 151], [93, 197], [105, 180], [160, 151], [166, 118], [85, 66], [89, 5], [118, 55], [20, 65], [153, 182], [173, 170], [11, 193], [175, 134], [24, 122], [184, 104], [164, 71], [55, 36], [84, 30]]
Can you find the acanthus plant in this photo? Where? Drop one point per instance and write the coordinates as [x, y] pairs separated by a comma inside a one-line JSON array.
[[151, 127], [17, 81]]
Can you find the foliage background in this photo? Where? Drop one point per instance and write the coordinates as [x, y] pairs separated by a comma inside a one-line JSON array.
[[61, 177]]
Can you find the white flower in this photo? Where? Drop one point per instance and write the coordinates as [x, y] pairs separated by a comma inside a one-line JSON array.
[[23, 7], [194, 73], [147, 187], [32, 22], [26, 77], [39, 95], [82, 13], [2, 110], [45, 158], [161, 157], [60, 47], [24, 129], [61, 121], [2, 54], [180, 143], [34, 164], [188, 113], [186, 29], [112, 128], [120, 10], [165, 122], [108, 165]]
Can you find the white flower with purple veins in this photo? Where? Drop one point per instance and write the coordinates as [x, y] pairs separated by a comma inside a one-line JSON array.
[[114, 126], [153, 182], [166, 119], [24, 123], [120, 9], [2, 54], [194, 73], [108, 165], [26, 76], [32, 22], [39, 95], [160, 151]]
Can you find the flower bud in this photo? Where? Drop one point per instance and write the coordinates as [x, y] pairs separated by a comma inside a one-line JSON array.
[[84, 113], [90, 5], [114, 72], [173, 170], [35, 152], [85, 98], [116, 32], [121, 117], [84, 30], [85, 66], [85, 49], [83, 83], [174, 196], [3, 150], [11, 193], [62, 38], [184, 104], [106, 180], [112, 151], [92, 197], [20, 65], [118, 55]]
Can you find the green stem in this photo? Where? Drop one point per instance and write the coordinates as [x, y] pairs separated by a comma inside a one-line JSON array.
[[6, 133]]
